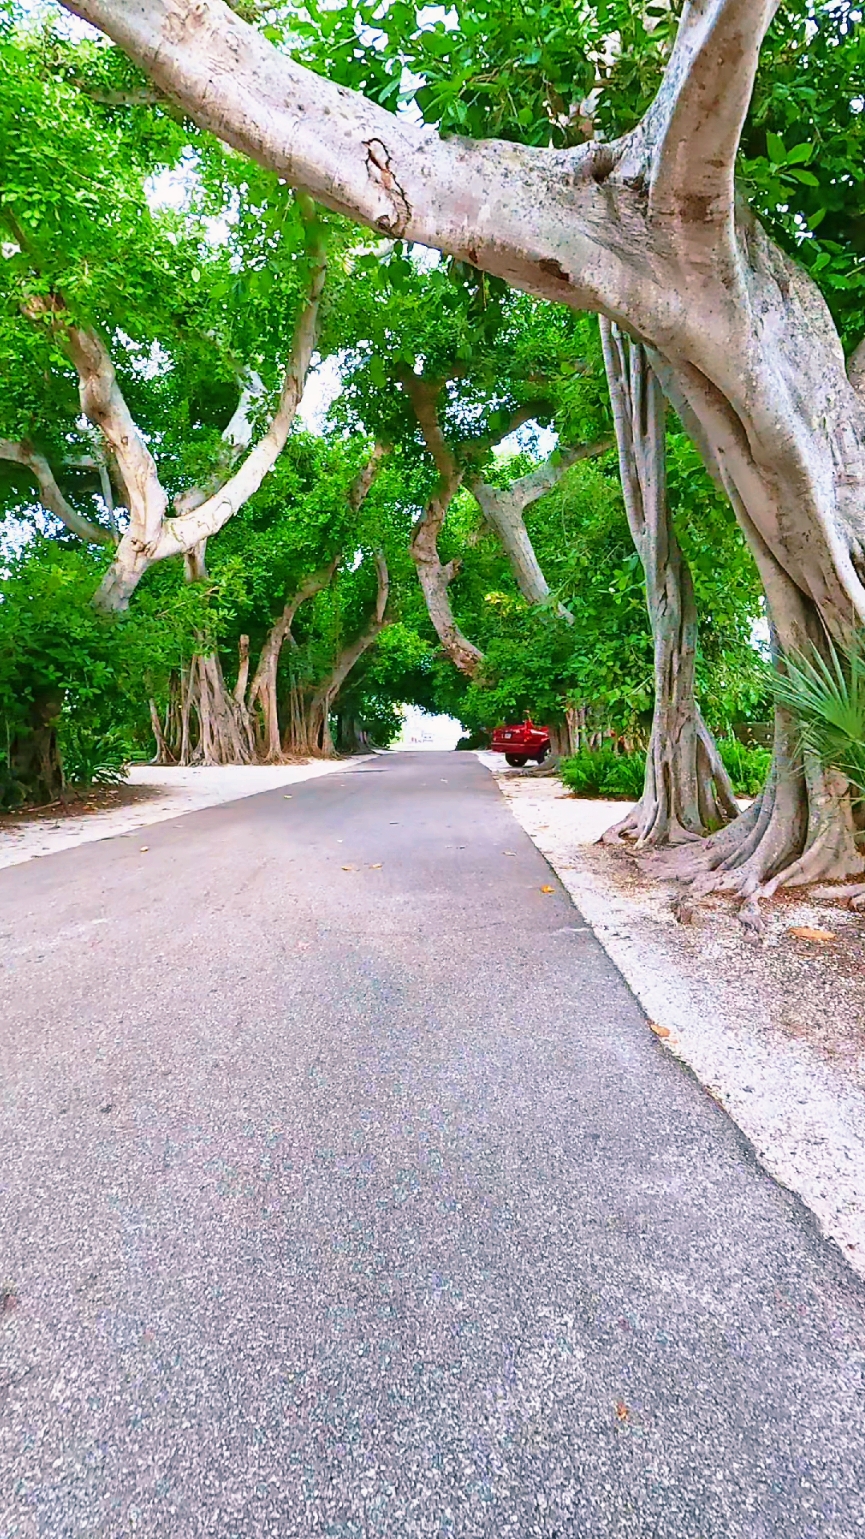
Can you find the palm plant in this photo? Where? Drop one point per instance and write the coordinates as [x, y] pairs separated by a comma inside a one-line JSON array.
[[827, 697]]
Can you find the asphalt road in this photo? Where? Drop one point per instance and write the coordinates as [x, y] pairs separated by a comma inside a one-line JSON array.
[[363, 1203]]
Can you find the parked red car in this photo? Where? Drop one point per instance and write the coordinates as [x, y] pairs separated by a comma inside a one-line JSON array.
[[521, 742]]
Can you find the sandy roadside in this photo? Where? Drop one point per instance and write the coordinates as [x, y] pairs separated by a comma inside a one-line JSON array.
[[173, 791], [774, 1031]]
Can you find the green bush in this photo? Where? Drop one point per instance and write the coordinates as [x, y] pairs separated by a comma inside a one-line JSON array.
[[603, 772], [747, 767], [827, 695], [93, 758]]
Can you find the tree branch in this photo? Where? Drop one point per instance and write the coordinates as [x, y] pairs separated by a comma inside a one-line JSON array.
[[695, 123], [503, 509], [473, 199], [183, 533], [328, 691], [50, 495]]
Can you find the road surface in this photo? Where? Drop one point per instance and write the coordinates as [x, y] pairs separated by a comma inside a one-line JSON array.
[[362, 1203]]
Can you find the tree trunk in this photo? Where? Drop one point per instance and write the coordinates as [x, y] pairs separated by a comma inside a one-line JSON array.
[[34, 765], [263, 695], [435, 578], [205, 723], [687, 792], [310, 721]]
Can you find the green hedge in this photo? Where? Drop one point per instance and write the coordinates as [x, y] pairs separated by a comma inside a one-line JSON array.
[[603, 772]]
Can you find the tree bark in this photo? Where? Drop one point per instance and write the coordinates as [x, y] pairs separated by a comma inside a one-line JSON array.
[[34, 764], [151, 536], [312, 730], [503, 509], [435, 577], [687, 792]]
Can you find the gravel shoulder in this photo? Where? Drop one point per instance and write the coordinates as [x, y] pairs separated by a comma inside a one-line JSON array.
[[774, 1031], [165, 793]]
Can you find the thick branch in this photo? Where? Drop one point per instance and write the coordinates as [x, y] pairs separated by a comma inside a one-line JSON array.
[[181, 534], [103, 404], [542, 478], [695, 123], [473, 199], [50, 495], [435, 578]]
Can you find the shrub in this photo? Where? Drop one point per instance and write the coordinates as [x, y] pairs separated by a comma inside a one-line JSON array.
[[93, 758], [747, 766], [827, 695], [603, 772]]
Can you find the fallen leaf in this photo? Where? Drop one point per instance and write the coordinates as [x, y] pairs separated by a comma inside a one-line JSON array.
[[377, 866], [548, 889], [660, 1031], [807, 932], [622, 1411]]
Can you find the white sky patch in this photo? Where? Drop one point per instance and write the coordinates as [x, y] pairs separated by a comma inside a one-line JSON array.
[[323, 385], [529, 439], [420, 730]]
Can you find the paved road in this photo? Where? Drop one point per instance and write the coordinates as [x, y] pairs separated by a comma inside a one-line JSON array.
[[362, 1203]]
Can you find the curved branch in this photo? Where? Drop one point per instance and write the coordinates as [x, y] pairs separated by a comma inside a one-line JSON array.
[[50, 495], [262, 690], [695, 123], [103, 403], [181, 534], [503, 510], [325, 696], [535, 217]]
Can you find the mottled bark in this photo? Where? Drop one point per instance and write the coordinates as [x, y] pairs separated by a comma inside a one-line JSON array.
[[309, 729], [687, 792], [503, 509]]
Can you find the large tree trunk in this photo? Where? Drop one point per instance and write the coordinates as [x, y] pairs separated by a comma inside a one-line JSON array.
[[205, 722], [687, 792], [310, 716], [34, 766]]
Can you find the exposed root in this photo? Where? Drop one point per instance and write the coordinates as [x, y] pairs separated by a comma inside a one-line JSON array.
[[800, 830], [854, 894]]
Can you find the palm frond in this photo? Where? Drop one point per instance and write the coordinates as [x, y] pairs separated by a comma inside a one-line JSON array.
[[827, 697]]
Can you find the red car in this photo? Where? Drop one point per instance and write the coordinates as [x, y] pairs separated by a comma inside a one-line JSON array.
[[521, 742]]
